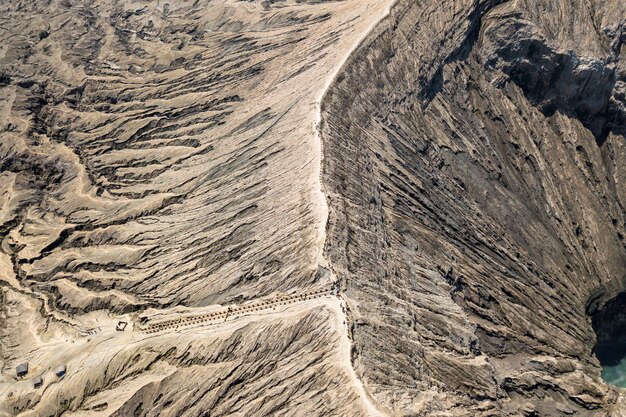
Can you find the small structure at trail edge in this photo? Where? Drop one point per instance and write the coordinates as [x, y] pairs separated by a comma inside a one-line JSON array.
[[121, 326], [60, 371], [37, 381], [22, 369]]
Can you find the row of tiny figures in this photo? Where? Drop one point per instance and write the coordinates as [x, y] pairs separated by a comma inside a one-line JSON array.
[[254, 307]]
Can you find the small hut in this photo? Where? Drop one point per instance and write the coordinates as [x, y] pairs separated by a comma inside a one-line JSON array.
[[22, 369], [60, 371], [37, 381]]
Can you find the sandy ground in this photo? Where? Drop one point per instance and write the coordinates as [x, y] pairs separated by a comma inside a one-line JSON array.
[[88, 344]]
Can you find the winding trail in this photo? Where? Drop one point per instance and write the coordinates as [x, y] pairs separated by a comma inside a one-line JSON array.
[[371, 407]]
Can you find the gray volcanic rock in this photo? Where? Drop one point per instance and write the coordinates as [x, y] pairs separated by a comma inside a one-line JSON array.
[[475, 170]]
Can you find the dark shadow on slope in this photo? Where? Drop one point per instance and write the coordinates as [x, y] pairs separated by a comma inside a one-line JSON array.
[[582, 88], [609, 324]]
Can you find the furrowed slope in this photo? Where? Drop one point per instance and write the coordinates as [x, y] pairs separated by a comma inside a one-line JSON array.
[[161, 158], [166, 154]]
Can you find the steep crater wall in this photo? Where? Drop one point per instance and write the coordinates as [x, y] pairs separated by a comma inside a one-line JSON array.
[[473, 212]]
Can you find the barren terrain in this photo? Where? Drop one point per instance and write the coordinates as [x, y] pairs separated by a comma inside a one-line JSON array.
[[311, 207], [163, 158], [477, 190]]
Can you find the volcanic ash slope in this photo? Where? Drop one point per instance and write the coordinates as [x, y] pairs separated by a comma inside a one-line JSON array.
[[161, 157]]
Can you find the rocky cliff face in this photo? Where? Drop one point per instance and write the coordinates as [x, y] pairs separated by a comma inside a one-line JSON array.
[[475, 168]]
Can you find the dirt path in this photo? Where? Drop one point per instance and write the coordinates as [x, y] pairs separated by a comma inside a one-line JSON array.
[[345, 348], [343, 322], [322, 204]]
